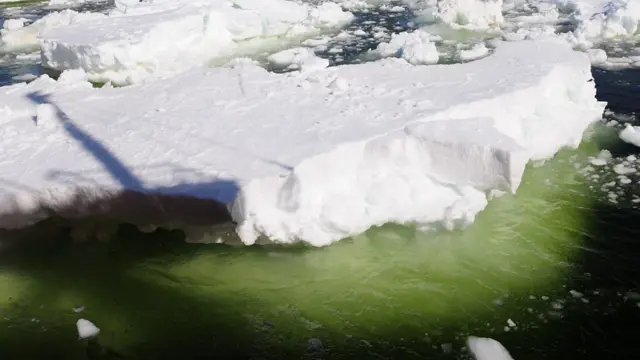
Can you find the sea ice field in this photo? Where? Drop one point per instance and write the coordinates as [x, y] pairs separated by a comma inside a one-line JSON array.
[[446, 179]]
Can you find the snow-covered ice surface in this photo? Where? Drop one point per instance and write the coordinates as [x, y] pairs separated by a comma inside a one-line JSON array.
[[316, 156], [19, 45], [153, 39]]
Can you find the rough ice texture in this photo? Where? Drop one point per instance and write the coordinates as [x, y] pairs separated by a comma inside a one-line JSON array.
[[487, 349], [314, 156], [155, 39], [599, 20], [474, 14], [415, 47]]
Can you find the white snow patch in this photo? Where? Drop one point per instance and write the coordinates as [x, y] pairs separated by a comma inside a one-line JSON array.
[[312, 156]]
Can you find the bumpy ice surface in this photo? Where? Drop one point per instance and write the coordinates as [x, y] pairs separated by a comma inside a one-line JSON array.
[[314, 156], [140, 40]]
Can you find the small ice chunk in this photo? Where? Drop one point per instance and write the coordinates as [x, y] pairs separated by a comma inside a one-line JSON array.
[[597, 56], [620, 169], [78, 309], [86, 329], [511, 323], [602, 159], [73, 76], [415, 47], [25, 77], [487, 349], [298, 58], [624, 180], [316, 41], [13, 24], [598, 162], [630, 134], [575, 294], [495, 193], [476, 52]]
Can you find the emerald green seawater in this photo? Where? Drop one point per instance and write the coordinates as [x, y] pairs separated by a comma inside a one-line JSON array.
[[393, 292]]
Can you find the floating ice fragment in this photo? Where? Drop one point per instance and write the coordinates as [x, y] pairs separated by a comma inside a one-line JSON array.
[[298, 58], [575, 294], [487, 349], [415, 47], [86, 329], [631, 135], [597, 56], [620, 169], [476, 52], [13, 24]]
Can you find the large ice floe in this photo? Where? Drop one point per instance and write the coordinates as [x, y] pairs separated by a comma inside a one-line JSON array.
[[139, 40], [313, 156]]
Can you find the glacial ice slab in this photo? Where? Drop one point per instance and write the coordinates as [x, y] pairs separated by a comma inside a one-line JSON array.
[[313, 156]]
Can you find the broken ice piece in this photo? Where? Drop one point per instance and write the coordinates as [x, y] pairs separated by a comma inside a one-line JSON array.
[[487, 349], [86, 329]]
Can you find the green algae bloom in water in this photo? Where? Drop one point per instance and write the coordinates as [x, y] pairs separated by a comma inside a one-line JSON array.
[[393, 292]]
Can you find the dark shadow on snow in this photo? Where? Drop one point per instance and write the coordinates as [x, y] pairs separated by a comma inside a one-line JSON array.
[[137, 204]]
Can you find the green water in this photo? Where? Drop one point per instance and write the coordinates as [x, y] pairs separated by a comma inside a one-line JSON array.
[[393, 292]]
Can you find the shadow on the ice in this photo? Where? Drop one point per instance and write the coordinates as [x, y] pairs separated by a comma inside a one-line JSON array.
[[138, 204]]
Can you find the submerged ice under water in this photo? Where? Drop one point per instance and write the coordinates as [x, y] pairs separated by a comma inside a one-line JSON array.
[[551, 272]]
